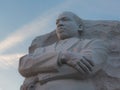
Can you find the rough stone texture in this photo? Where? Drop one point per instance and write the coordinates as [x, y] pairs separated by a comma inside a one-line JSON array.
[[107, 30], [43, 40], [71, 63], [92, 29]]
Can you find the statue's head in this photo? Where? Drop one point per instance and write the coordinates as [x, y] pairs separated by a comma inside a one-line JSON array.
[[68, 24]]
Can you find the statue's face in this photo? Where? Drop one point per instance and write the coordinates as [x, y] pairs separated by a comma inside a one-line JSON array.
[[66, 26]]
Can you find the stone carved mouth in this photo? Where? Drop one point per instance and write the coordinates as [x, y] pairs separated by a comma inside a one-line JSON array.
[[61, 29]]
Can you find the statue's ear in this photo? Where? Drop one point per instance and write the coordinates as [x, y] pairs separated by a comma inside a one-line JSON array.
[[80, 28]]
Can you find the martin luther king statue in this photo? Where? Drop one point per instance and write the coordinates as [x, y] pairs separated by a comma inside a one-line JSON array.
[[77, 55]]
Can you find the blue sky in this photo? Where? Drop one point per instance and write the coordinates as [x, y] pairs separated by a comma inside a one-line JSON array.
[[22, 20]]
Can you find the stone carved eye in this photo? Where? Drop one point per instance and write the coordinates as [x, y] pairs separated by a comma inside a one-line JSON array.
[[65, 19], [115, 47]]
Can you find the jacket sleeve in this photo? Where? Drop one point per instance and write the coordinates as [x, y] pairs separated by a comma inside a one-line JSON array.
[[30, 65]]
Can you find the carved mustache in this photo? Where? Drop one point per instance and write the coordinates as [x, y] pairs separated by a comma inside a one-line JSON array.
[[60, 25]]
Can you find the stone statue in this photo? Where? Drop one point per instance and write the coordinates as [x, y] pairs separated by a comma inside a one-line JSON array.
[[70, 61]]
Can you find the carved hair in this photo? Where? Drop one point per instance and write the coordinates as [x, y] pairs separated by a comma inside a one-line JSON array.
[[76, 18]]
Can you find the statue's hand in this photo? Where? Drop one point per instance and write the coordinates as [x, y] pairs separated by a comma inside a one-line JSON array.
[[80, 63], [30, 85]]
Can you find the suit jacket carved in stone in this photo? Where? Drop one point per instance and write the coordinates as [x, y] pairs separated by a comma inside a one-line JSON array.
[[51, 76], [46, 59]]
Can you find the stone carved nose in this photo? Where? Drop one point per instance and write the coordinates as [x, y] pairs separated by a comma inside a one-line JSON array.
[[59, 25]]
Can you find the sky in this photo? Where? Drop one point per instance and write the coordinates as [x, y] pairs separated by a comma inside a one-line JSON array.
[[22, 20]]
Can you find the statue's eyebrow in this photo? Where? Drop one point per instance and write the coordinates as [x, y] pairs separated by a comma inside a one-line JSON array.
[[62, 18]]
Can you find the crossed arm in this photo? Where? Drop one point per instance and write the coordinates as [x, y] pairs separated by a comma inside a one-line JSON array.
[[88, 61]]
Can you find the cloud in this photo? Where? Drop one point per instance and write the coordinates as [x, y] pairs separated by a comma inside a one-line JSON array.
[[22, 33], [34, 27], [9, 60]]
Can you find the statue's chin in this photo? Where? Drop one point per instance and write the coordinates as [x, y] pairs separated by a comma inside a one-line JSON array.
[[62, 37]]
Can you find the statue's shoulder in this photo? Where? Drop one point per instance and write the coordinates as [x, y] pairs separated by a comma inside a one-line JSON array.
[[93, 42]]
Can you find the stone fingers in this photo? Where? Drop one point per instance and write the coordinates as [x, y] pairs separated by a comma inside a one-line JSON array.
[[87, 65], [76, 66], [83, 66], [89, 61]]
